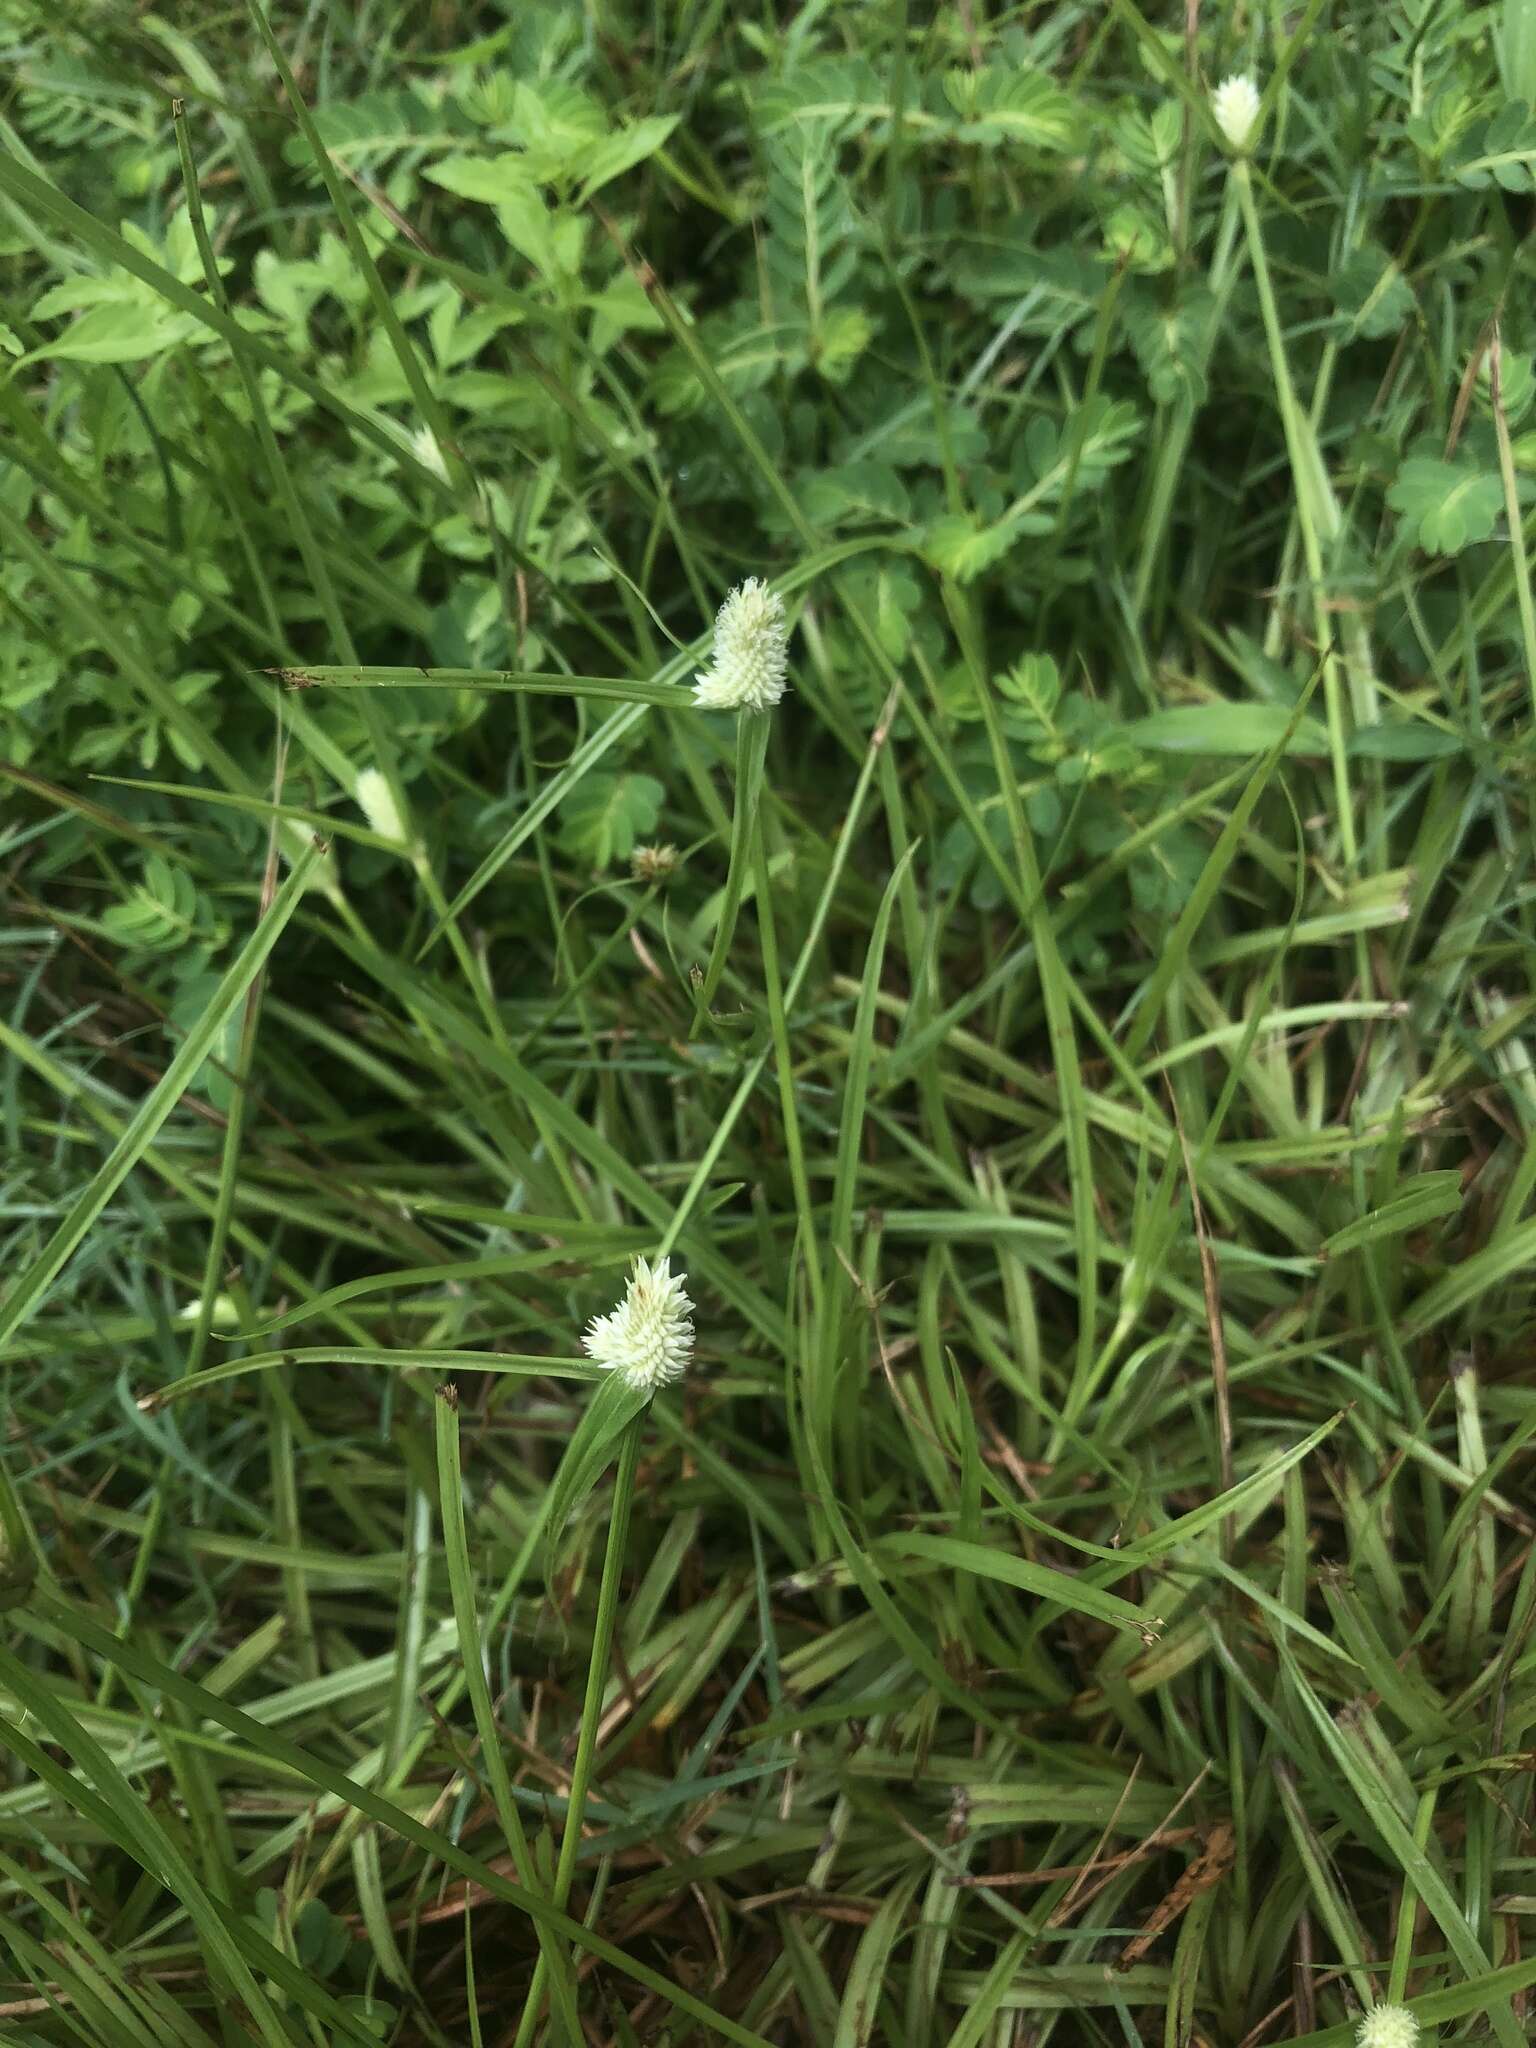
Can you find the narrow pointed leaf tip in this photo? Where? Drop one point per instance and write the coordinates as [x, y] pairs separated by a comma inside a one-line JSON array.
[[1235, 105], [751, 658], [648, 1337], [1387, 2026]]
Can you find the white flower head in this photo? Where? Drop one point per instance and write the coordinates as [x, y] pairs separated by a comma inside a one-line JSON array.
[[751, 661], [376, 801], [1387, 2026], [293, 842], [1235, 104], [654, 863], [649, 1336], [226, 1311], [428, 451]]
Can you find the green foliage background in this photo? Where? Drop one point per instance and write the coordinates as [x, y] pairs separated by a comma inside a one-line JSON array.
[[1083, 1593]]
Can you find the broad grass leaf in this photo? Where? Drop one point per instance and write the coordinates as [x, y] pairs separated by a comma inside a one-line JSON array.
[[1074, 1595], [1515, 43], [1224, 729], [592, 1448], [1408, 740], [1423, 1199]]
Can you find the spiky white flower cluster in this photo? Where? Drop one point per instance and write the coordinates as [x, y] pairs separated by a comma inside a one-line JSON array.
[[1235, 105], [1387, 2026], [649, 1336], [654, 863], [751, 658]]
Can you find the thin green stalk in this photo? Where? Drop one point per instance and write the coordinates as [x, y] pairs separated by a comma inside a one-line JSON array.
[[19, 1556], [213, 1267], [1408, 1908], [139, 1131], [895, 180], [493, 1763], [845, 843], [423, 396], [1312, 497], [1078, 428], [1174, 444], [1517, 553], [75, 1625], [380, 737], [295, 518], [783, 1058], [746, 828], [592, 1704], [1055, 994], [283, 1482]]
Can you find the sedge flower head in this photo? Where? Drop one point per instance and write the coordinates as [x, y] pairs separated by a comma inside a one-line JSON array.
[[428, 451], [376, 801], [654, 863], [1235, 105], [649, 1336], [751, 659], [1387, 2026]]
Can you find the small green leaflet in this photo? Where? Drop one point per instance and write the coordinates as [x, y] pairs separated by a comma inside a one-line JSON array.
[[121, 318], [604, 816], [1501, 151], [621, 152], [1135, 238], [857, 494], [1087, 446], [1171, 339], [1372, 295], [842, 338], [956, 546], [558, 155], [492, 179], [1011, 103], [378, 124], [1034, 685], [161, 912], [846, 93], [1517, 383], [1445, 505], [125, 331]]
